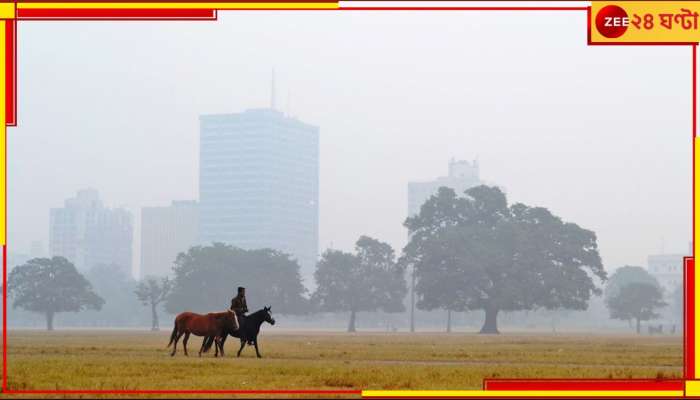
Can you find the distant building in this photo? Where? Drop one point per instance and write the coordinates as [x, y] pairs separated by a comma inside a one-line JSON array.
[[667, 269], [461, 175], [166, 232], [87, 233], [258, 183]]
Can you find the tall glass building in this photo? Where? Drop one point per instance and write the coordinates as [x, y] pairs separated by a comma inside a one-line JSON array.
[[258, 183]]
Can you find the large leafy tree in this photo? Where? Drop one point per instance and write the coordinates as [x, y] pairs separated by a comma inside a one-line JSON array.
[[206, 277], [478, 253], [368, 280], [152, 292], [635, 300], [624, 276], [50, 286]]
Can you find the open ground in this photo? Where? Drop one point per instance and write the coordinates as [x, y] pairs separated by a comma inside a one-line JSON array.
[[133, 360]]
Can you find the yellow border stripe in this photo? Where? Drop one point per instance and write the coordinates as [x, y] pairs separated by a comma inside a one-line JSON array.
[[521, 393], [241, 6], [7, 10]]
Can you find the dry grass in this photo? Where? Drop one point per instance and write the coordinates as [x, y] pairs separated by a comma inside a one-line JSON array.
[[138, 360]]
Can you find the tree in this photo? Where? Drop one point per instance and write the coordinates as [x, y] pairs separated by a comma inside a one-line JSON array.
[[50, 286], [206, 278], [478, 253], [624, 276], [366, 281], [637, 301], [152, 292]]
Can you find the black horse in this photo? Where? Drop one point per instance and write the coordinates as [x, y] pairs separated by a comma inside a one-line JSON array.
[[248, 331]]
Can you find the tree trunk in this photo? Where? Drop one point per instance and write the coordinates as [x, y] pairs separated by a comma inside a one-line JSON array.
[[449, 321], [638, 328], [154, 313], [490, 321], [49, 320], [413, 299], [351, 325]]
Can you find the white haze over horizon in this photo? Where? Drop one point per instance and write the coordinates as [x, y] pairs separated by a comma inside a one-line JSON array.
[[599, 135]]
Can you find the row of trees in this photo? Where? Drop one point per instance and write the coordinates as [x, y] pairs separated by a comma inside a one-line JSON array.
[[471, 252]]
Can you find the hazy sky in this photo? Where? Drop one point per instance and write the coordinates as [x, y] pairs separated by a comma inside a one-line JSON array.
[[599, 135]]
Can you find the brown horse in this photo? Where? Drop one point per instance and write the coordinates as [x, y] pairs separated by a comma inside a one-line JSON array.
[[212, 324]]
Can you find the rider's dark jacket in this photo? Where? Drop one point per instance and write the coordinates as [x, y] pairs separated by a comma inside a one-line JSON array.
[[239, 305]]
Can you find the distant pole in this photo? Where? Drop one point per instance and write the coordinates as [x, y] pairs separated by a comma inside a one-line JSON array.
[[413, 297]]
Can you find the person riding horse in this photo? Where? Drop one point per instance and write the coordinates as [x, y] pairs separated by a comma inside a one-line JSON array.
[[240, 306], [238, 303]]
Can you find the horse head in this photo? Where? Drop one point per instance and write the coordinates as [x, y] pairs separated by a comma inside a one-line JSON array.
[[268, 315]]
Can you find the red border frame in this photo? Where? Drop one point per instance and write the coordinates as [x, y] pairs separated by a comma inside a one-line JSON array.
[[211, 14]]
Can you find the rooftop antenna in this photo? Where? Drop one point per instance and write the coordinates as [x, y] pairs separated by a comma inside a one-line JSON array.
[[272, 90]]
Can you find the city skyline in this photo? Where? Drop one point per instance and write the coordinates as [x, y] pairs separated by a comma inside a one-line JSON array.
[[383, 125]]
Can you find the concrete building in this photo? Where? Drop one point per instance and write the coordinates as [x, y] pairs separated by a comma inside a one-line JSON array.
[[87, 233], [166, 232], [667, 269], [461, 175], [258, 183]]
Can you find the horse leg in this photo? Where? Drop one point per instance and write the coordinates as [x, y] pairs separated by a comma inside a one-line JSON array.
[[205, 342], [223, 340], [217, 343], [242, 346], [177, 338], [184, 342], [201, 348], [257, 352]]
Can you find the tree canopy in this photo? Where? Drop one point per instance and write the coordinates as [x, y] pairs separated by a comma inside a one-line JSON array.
[[206, 278], [635, 300], [478, 253], [368, 280], [50, 286], [626, 275]]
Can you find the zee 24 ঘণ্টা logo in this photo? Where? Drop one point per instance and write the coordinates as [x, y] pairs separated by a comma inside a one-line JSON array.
[[613, 21]]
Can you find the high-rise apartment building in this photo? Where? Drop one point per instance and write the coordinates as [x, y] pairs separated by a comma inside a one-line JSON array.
[[87, 233], [258, 183], [166, 232]]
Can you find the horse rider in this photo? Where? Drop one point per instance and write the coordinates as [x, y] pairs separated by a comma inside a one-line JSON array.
[[240, 306]]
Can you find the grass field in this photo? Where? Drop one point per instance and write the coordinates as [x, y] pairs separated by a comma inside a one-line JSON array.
[[114, 359]]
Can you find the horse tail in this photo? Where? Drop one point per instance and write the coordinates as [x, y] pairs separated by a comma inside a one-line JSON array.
[[173, 335]]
